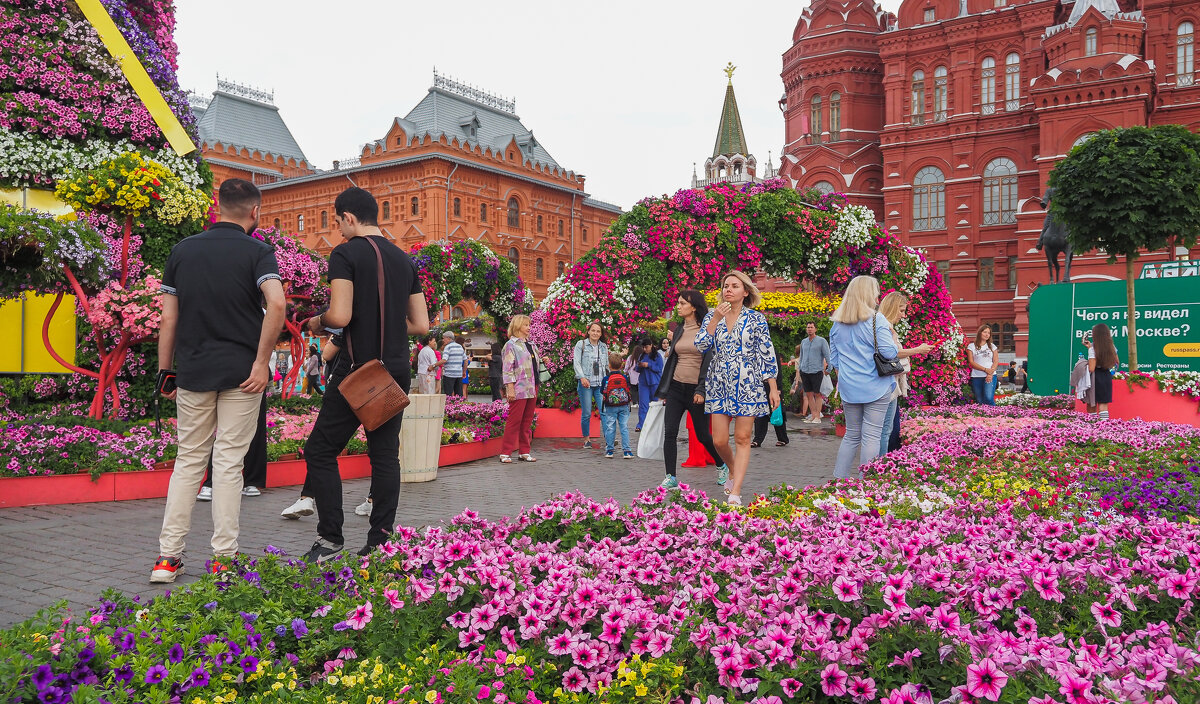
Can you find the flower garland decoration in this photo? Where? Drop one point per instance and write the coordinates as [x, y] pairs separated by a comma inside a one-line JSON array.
[[131, 185], [689, 239], [469, 269], [33, 247]]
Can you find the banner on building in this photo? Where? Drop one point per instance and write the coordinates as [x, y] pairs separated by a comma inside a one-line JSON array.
[[1168, 327]]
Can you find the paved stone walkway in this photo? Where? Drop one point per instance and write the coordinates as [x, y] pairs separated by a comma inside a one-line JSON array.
[[75, 552]]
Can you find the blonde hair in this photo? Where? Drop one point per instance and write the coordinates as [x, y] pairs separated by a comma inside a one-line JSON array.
[[891, 304], [858, 303], [517, 322], [753, 297]]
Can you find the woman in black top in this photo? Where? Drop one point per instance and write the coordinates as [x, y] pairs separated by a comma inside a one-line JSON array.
[[1102, 360], [496, 369]]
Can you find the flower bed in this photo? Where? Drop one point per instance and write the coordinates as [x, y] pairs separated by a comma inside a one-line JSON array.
[[55, 445], [967, 598]]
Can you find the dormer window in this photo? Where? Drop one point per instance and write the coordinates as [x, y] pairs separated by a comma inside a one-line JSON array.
[[470, 126], [1089, 42], [930, 14]]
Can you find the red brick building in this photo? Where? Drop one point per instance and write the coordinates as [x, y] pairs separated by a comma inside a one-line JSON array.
[[460, 165], [947, 118]]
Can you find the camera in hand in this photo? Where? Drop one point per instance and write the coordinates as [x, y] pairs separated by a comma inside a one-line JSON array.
[[166, 381]]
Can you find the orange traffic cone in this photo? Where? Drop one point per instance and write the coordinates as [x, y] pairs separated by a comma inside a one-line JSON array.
[[697, 455]]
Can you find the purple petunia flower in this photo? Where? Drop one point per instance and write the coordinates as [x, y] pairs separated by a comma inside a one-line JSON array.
[[156, 674]]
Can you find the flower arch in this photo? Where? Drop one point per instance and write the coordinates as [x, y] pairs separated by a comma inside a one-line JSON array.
[[451, 273], [687, 240]]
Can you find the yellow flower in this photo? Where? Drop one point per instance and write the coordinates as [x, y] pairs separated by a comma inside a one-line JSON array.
[[431, 696], [641, 690]]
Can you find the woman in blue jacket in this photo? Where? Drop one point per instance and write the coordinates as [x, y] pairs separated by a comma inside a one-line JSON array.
[[858, 330], [649, 366]]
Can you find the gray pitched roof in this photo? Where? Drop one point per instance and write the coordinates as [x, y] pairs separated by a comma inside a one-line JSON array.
[[442, 112], [238, 121]]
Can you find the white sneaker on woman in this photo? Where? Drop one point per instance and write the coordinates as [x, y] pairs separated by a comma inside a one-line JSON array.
[[363, 509]]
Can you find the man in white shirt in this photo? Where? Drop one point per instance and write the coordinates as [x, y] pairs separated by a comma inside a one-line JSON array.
[[427, 364]]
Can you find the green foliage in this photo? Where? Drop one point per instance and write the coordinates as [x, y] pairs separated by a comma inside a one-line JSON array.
[[295, 405], [1130, 189], [35, 245]]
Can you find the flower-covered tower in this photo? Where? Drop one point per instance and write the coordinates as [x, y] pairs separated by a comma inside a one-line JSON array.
[[731, 159]]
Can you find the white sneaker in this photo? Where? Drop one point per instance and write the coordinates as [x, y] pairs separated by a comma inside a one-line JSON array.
[[304, 506], [251, 491], [363, 509], [205, 494]]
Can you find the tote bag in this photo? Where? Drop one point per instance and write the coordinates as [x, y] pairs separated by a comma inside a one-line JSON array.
[[650, 442], [777, 415]]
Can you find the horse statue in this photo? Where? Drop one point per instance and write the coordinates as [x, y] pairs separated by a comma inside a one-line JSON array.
[[1054, 238]]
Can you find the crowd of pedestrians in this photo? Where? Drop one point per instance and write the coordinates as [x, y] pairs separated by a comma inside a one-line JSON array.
[[719, 366]]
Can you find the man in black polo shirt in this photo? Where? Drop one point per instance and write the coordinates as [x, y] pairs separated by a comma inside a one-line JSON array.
[[354, 305], [223, 309]]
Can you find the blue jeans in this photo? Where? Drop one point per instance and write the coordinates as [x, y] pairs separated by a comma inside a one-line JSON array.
[[614, 416], [589, 398], [888, 422], [864, 425], [985, 393]]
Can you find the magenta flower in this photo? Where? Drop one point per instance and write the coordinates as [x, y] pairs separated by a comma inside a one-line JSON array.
[[833, 680], [846, 589], [862, 688], [359, 617], [1106, 615], [985, 680]]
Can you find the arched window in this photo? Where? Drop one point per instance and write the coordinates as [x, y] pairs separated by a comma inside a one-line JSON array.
[[539, 223], [1089, 42], [1185, 57], [823, 187], [814, 119], [585, 235], [929, 199], [987, 87], [414, 206], [941, 87], [1012, 82], [539, 269], [324, 219], [1000, 192], [299, 223], [560, 228], [483, 212], [514, 213], [515, 257], [561, 268], [835, 116], [276, 223], [457, 207], [1082, 138], [457, 313], [918, 98]]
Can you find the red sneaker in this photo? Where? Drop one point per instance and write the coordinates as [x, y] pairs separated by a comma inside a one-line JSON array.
[[166, 569]]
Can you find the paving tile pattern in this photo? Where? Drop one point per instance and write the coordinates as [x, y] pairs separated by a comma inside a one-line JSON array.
[[75, 552]]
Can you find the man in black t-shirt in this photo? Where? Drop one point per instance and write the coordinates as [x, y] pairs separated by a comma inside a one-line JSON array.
[[223, 308], [354, 305]]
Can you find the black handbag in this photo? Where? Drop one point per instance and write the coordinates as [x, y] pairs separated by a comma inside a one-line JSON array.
[[884, 366]]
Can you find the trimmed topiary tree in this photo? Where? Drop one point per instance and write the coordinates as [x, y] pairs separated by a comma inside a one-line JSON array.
[[1130, 190]]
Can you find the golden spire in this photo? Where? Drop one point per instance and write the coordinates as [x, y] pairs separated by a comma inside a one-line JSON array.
[[729, 69]]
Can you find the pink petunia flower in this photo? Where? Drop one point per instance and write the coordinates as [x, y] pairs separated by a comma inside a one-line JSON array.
[[833, 680], [359, 617], [986, 680]]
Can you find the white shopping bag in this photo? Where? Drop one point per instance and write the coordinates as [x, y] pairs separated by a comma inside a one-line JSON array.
[[650, 442], [826, 386]]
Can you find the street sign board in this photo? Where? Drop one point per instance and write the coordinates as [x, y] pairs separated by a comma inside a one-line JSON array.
[[1168, 327]]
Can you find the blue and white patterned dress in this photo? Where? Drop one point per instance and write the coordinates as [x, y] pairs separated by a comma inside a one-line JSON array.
[[742, 361]]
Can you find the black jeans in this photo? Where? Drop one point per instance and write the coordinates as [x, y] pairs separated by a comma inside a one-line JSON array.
[[497, 384], [335, 425], [761, 423], [254, 466], [680, 399], [314, 384], [452, 385]]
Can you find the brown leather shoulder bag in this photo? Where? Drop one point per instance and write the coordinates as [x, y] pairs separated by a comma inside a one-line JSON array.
[[372, 393]]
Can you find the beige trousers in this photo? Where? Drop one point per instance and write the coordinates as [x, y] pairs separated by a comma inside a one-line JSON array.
[[233, 416]]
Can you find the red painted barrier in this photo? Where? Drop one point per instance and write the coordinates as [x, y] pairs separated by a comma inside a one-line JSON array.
[[152, 484], [1149, 403], [557, 423]]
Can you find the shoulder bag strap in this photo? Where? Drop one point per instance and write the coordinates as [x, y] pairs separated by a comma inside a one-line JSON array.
[[874, 330], [382, 310]]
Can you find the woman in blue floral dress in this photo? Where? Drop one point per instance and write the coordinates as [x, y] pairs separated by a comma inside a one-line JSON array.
[[743, 358]]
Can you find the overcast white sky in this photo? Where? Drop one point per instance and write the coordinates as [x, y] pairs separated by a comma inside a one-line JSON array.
[[627, 93]]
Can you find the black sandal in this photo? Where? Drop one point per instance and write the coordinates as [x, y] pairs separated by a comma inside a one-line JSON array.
[[781, 444], [755, 444]]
